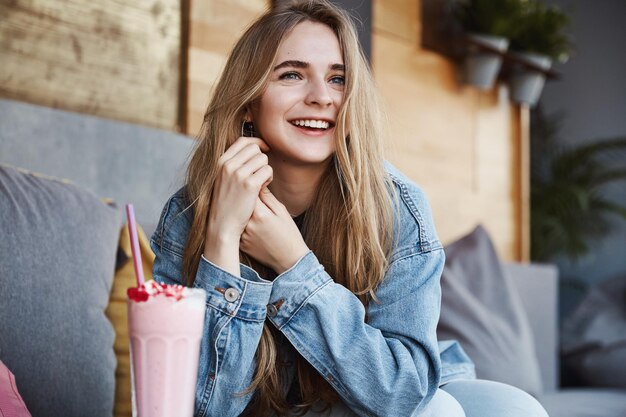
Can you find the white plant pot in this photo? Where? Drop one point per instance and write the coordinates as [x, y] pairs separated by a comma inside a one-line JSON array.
[[481, 67], [527, 84]]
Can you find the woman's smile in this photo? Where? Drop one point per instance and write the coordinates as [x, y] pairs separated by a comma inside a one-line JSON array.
[[314, 127]]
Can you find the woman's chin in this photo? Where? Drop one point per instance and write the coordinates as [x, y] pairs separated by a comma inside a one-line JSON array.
[[308, 159]]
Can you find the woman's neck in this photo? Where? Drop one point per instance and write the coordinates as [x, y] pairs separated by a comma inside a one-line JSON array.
[[295, 186]]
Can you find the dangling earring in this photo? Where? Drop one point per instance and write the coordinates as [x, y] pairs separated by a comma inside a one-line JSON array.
[[247, 129]]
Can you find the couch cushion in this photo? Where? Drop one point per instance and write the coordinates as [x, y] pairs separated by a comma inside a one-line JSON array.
[[588, 402], [57, 258], [593, 339], [482, 310]]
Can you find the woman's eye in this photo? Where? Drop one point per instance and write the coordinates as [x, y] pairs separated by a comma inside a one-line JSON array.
[[339, 80], [290, 76]]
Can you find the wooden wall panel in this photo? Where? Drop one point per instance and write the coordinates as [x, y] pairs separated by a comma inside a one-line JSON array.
[[215, 25], [116, 59], [463, 146], [397, 18]]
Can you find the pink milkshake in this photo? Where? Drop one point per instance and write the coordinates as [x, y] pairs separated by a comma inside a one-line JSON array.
[[165, 325]]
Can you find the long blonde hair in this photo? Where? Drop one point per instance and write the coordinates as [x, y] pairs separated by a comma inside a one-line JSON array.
[[352, 206]]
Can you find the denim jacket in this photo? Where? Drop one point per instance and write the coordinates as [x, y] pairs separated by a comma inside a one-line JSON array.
[[388, 365]]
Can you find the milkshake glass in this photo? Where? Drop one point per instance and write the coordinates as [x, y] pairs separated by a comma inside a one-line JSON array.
[[165, 325]]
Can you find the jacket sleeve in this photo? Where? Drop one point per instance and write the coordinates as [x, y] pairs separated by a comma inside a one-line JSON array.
[[387, 366], [236, 311]]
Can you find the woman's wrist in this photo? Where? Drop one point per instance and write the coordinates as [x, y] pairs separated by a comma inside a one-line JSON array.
[[223, 251], [288, 262]]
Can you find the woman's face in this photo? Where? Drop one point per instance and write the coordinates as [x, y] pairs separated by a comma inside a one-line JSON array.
[[296, 114]]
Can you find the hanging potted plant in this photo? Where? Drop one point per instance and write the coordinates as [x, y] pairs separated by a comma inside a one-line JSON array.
[[537, 39], [486, 24]]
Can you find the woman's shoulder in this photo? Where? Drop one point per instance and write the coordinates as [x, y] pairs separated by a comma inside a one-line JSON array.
[[173, 228], [413, 220]]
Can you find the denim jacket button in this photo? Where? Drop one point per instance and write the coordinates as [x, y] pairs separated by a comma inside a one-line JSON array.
[[231, 295], [271, 310]]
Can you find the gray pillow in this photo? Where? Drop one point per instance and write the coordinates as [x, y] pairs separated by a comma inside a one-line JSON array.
[[57, 255], [482, 310]]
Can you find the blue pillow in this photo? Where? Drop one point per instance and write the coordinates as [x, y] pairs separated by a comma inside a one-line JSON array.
[[57, 257]]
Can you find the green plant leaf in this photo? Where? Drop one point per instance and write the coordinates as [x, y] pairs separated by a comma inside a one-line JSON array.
[[609, 176]]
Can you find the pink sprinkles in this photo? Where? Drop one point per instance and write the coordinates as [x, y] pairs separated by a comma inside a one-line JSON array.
[[152, 288]]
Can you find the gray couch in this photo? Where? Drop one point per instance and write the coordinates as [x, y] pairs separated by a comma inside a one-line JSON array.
[[144, 166], [538, 288], [505, 317], [59, 247]]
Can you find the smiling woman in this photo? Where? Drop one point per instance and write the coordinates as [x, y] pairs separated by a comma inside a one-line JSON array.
[[320, 260]]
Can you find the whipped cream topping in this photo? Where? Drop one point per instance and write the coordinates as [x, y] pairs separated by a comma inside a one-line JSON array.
[[152, 288]]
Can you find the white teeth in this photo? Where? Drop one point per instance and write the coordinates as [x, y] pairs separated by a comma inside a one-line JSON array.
[[319, 124]]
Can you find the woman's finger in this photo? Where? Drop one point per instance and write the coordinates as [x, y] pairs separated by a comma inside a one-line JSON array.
[[261, 208], [242, 157], [271, 201], [240, 144], [248, 168], [261, 176]]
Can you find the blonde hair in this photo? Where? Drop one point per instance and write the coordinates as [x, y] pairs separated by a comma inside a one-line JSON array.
[[352, 205]]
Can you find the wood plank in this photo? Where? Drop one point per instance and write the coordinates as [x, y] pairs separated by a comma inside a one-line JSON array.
[[397, 18], [205, 67], [234, 13], [217, 24], [215, 27], [194, 120], [199, 95], [112, 59]]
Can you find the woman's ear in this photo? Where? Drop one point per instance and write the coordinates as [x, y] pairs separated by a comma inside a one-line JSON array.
[[247, 117], [247, 127]]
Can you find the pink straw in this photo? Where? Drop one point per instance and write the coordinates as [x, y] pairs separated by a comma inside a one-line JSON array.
[[134, 244]]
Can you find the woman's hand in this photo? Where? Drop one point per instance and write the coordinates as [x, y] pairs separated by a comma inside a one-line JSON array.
[[243, 171], [271, 236]]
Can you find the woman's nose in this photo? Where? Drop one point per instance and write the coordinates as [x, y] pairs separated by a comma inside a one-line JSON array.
[[319, 93]]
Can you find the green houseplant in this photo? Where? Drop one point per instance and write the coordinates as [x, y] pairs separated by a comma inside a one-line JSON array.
[[542, 30], [569, 205], [538, 38], [487, 24], [488, 17]]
